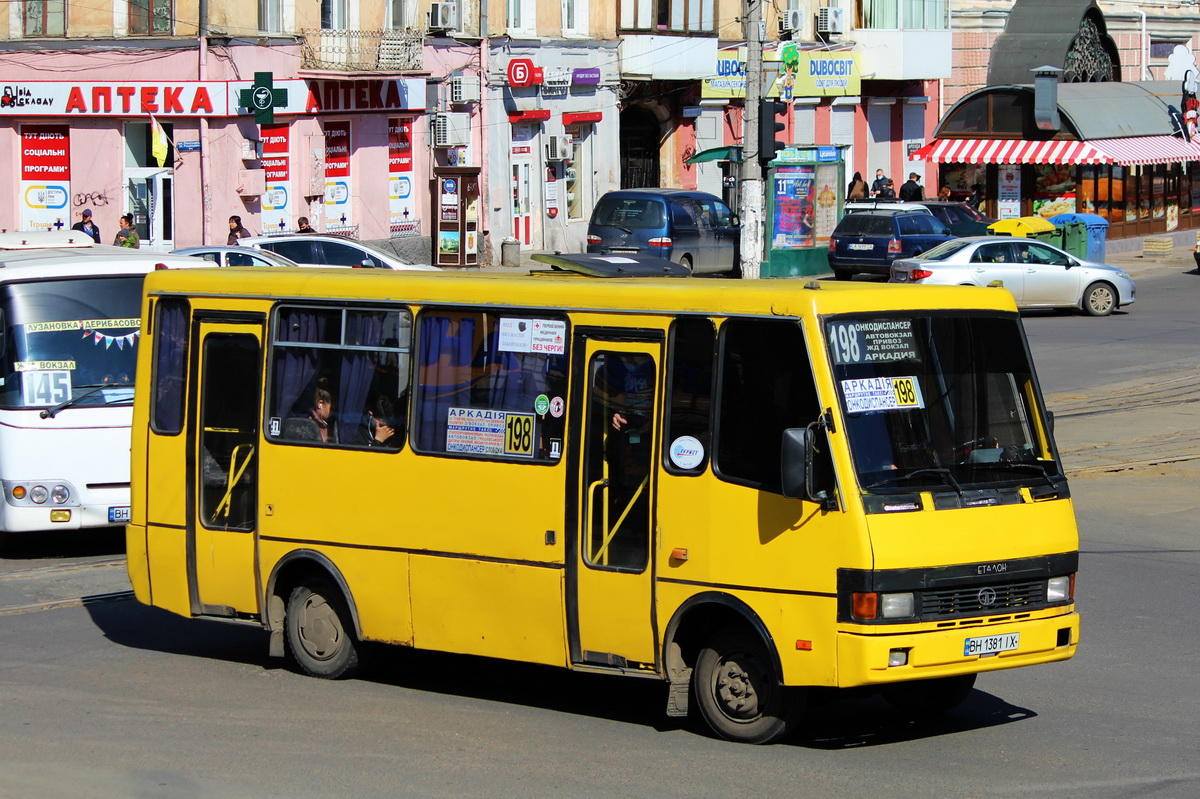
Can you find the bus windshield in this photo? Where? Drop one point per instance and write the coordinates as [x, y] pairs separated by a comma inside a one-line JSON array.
[[939, 400], [69, 341]]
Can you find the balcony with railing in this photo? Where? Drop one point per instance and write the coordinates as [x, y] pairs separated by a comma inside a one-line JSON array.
[[362, 51]]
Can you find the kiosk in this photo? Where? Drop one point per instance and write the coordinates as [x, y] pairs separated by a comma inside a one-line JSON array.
[[804, 187]]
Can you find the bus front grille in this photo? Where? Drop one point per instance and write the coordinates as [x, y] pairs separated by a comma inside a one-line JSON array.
[[974, 600]]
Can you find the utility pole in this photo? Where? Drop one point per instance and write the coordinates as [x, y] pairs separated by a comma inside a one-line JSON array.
[[751, 172]]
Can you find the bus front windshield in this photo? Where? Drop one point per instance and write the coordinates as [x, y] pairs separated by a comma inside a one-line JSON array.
[[72, 340], [939, 400]]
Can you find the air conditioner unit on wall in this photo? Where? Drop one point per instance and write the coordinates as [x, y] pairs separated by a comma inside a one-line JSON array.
[[558, 148], [464, 89], [791, 20], [443, 16], [451, 130], [831, 20]]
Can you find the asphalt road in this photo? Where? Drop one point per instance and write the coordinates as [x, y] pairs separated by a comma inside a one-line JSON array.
[[106, 698]]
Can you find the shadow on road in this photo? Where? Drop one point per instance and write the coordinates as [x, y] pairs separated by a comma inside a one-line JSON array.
[[67, 544], [835, 720]]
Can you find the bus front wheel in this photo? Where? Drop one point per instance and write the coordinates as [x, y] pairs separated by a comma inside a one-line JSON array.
[[738, 690], [319, 635]]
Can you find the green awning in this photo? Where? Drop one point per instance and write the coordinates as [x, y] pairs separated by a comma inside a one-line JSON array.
[[717, 154]]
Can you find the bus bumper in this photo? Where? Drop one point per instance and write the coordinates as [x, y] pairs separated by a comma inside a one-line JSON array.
[[44, 518], [864, 659]]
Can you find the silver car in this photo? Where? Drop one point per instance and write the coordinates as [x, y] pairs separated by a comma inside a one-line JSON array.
[[320, 249], [1037, 274], [236, 256]]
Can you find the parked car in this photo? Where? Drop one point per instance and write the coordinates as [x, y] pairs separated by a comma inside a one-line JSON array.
[[855, 206], [962, 219], [868, 241], [236, 256], [1037, 274], [691, 228], [320, 249]]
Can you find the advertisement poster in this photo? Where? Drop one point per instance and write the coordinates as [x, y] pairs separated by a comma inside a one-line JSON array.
[[276, 162], [400, 182], [1009, 191], [337, 175], [827, 190], [793, 226], [45, 178]]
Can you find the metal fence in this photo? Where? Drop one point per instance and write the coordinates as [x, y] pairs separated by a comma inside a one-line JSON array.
[[354, 50]]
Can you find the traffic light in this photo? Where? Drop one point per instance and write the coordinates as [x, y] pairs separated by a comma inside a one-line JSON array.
[[770, 127]]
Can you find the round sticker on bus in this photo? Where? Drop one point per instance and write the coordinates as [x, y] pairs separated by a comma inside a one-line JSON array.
[[687, 452]]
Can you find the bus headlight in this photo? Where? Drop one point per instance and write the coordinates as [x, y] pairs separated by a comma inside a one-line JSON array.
[[39, 494], [895, 606], [1059, 589], [19, 492], [60, 495]]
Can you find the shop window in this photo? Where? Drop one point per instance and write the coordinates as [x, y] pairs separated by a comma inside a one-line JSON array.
[[676, 16], [139, 144], [340, 376], [150, 17], [578, 172], [45, 17], [766, 387], [491, 385]]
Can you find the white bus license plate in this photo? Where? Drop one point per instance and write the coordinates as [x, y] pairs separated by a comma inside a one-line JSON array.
[[118, 514], [862, 246], [991, 644]]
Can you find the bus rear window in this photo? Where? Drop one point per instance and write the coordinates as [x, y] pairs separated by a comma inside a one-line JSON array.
[[491, 385]]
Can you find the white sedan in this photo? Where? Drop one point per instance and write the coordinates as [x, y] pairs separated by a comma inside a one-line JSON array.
[[1037, 274]]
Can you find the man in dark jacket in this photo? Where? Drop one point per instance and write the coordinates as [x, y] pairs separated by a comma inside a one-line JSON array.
[[911, 191], [86, 225], [881, 180]]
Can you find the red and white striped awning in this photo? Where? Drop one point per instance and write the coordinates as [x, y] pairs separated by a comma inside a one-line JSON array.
[[1149, 150], [1138, 150], [1010, 151]]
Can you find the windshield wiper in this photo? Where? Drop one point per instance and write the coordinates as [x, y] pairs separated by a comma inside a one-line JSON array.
[[945, 473], [48, 413], [1008, 466]]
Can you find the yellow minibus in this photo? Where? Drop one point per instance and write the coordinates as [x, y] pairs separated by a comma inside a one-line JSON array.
[[746, 489]]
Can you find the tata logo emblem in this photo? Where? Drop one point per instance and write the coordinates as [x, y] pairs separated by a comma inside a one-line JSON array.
[[987, 597]]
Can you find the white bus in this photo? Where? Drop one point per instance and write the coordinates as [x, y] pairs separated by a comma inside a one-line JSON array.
[[69, 329]]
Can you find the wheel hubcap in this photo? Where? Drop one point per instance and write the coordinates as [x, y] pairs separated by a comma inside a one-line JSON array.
[[1101, 300], [320, 630], [735, 688]]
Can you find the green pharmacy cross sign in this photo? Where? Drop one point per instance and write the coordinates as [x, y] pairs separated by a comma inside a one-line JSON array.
[[262, 97]]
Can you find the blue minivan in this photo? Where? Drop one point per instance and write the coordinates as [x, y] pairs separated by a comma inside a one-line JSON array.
[[691, 228]]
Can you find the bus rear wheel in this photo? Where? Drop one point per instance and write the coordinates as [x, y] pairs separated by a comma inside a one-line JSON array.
[[738, 690], [319, 635]]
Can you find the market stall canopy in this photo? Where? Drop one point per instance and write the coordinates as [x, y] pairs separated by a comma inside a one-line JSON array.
[[717, 154], [1129, 151]]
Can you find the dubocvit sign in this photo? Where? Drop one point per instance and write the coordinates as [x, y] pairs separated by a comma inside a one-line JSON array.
[[798, 74]]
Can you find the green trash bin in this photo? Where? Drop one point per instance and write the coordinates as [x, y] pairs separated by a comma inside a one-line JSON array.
[[1055, 236], [1075, 238]]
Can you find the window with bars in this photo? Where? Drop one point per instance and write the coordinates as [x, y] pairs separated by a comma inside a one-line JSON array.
[[44, 17], [150, 17]]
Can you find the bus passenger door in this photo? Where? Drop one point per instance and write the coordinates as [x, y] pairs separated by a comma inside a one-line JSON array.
[[610, 572], [222, 472]]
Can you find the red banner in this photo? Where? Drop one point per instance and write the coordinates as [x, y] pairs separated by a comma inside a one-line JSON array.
[[400, 145], [45, 152], [337, 149], [276, 148]]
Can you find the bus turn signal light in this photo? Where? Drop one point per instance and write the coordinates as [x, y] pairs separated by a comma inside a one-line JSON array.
[[865, 606]]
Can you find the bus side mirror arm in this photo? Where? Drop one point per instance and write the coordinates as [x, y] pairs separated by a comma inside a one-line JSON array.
[[796, 462]]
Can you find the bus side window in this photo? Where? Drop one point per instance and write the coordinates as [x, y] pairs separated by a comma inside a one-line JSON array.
[[690, 382], [339, 377], [766, 387], [171, 316], [491, 385]]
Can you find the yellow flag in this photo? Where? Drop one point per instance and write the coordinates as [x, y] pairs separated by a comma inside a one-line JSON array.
[[158, 142]]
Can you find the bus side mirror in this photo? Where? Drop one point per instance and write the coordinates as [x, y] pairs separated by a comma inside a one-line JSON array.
[[796, 462], [1049, 419]]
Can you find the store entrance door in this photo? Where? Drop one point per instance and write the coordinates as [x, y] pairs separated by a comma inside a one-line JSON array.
[[150, 198]]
